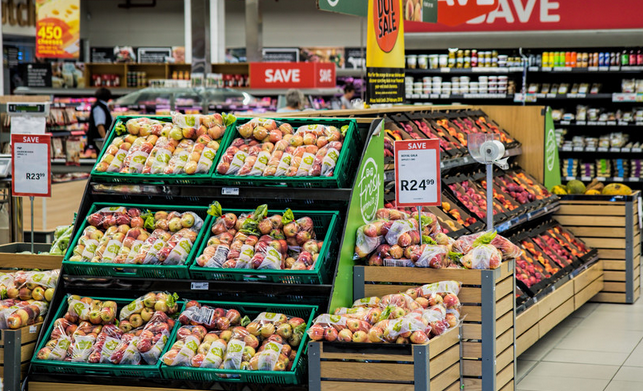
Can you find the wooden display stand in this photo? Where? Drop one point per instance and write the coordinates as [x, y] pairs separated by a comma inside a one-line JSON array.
[[536, 321], [16, 350], [613, 228], [343, 367], [488, 311]]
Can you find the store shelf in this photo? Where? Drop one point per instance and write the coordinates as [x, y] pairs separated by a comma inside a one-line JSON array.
[[282, 91], [460, 96], [603, 179], [609, 69], [570, 150], [83, 162], [535, 97], [118, 91], [529, 216], [345, 72], [597, 123], [476, 70]]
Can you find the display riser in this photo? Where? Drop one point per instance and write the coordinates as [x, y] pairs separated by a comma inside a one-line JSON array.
[[613, 228], [487, 309], [345, 367], [537, 320], [16, 350]]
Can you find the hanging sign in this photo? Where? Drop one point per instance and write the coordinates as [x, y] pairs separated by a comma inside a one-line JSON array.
[[58, 29], [417, 173], [31, 165], [385, 52], [292, 75]]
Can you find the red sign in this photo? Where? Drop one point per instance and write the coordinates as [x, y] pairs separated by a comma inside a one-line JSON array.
[[58, 28], [455, 12], [30, 165], [386, 19], [536, 15], [292, 75], [417, 173]]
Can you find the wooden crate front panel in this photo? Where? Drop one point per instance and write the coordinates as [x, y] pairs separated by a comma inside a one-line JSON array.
[[526, 340], [587, 277]]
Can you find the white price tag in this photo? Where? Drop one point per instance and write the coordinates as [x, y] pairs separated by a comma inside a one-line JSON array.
[[200, 286], [417, 172], [31, 165], [229, 191], [27, 124], [34, 329]]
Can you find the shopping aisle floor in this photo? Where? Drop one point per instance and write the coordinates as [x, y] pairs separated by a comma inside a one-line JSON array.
[[598, 348]]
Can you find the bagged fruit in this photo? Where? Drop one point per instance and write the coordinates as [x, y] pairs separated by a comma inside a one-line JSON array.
[[206, 160], [399, 233], [268, 358], [329, 162], [410, 325], [435, 257], [117, 162], [367, 240], [260, 164], [484, 256], [284, 164], [82, 347], [214, 357], [160, 157], [233, 355]]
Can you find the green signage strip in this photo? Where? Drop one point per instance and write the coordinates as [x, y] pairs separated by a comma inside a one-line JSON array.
[[349, 7], [367, 197], [552, 162]]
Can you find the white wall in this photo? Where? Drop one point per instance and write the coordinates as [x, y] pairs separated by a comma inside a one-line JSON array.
[[109, 25]]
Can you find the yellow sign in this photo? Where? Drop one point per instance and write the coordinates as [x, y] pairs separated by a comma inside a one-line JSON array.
[[58, 28], [385, 52]]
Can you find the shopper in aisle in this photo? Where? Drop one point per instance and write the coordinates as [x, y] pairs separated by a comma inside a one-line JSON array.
[[349, 93], [294, 101], [100, 118]]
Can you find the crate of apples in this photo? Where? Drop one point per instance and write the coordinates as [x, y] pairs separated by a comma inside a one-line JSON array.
[[239, 341], [85, 338], [28, 285], [413, 317], [15, 313], [266, 242], [156, 149]]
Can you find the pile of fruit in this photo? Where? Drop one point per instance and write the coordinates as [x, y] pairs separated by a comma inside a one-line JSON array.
[[595, 187], [452, 210], [16, 313], [415, 316], [226, 339], [259, 241], [87, 333], [474, 198], [187, 145], [530, 272], [394, 240], [133, 236], [268, 148], [569, 241], [29, 285], [62, 237]]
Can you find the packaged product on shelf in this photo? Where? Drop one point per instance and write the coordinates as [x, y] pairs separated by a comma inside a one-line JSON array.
[[15, 314], [413, 317], [121, 235], [28, 285], [88, 329]]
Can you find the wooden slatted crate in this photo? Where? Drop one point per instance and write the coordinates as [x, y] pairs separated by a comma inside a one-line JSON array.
[[16, 349], [434, 366], [537, 320], [488, 310], [611, 225]]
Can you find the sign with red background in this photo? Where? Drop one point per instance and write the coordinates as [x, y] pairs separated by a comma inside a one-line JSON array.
[[292, 75], [535, 15], [30, 165]]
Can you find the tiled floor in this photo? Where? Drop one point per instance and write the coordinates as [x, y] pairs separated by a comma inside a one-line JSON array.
[[598, 348]]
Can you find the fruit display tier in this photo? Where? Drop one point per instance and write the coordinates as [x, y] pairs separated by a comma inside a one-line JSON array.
[[124, 282], [611, 224]]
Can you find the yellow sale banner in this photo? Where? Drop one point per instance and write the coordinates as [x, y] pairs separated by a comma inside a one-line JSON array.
[[385, 52], [58, 28]]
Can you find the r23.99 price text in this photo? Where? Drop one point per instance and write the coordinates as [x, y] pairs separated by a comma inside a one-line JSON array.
[[34, 176]]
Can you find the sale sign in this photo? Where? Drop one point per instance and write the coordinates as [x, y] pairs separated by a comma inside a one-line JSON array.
[[385, 52], [30, 165], [58, 29], [292, 75], [417, 173]]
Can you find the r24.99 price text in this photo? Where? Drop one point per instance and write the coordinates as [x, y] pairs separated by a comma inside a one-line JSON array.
[[413, 185], [34, 176]]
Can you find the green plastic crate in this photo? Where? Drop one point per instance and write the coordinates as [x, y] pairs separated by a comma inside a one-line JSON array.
[[326, 227], [341, 175], [77, 368], [294, 376], [129, 270], [178, 179]]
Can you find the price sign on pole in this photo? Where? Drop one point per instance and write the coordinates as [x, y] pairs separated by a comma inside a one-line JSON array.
[[31, 165], [417, 173]]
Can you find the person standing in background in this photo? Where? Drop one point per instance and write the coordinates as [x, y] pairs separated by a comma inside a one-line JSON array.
[[294, 101], [349, 93], [100, 118]]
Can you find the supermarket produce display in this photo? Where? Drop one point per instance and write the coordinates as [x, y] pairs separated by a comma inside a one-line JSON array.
[[260, 262]]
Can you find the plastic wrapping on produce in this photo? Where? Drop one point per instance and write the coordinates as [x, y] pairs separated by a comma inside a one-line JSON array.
[[484, 256], [214, 357], [435, 257]]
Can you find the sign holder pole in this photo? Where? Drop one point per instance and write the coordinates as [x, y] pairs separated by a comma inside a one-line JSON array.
[[420, 222], [489, 197], [31, 201]]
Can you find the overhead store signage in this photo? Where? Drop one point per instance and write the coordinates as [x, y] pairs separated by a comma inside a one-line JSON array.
[[417, 173], [31, 165], [533, 15], [415, 10], [292, 75], [58, 29], [385, 52]]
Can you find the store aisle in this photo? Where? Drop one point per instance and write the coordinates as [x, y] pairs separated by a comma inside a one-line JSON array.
[[598, 348]]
